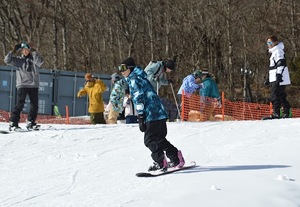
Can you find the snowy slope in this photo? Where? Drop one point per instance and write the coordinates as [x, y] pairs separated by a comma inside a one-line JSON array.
[[247, 163]]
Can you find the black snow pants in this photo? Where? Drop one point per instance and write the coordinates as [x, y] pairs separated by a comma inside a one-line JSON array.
[[21, 97], [155, 140], [278, 98]]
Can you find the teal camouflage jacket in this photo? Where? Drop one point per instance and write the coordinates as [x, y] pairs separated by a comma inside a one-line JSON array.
[[144, 97], [117, 95]]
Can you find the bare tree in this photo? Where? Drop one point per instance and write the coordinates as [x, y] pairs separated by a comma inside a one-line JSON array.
[[94, 35]]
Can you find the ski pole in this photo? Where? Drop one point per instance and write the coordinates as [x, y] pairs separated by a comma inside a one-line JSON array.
[[175, 100]]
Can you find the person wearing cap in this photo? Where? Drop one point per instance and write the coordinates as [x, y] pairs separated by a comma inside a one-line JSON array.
[[157, 73], [94, 88], [115, 105], [191, 83], [279, 78], [151, 116], [210, 88], [209, 95], [27, 82]]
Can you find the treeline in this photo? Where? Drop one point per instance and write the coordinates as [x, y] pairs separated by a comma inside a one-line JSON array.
[[96, 35]]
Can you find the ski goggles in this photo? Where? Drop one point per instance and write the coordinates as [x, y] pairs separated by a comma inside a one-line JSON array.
[[24, 45], [269, 43], [122, 68]]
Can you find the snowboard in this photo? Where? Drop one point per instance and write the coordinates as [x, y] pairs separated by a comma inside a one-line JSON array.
[[267, 118], [271, 118], [13, 131], [168, 171], [35, 128], [3, 132]]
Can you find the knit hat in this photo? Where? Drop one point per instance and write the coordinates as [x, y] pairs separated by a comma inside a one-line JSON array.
[[88, 76], [115, 77], [25, 45], [197, 73], [205, 71], [170, 64], [129, 62]]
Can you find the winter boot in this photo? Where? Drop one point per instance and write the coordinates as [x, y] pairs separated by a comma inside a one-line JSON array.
[[13, 126], [179, 163], [287, 113], [31, 125], [181, 159], [275, 116], [156, 166]]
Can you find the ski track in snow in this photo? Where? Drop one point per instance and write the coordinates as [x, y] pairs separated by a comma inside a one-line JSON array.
[[251, 163]]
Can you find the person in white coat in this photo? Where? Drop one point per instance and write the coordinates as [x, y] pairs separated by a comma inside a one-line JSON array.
[[278, 77], [130, 112]]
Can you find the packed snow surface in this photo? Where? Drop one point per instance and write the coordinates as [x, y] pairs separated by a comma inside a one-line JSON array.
[[240, 164]]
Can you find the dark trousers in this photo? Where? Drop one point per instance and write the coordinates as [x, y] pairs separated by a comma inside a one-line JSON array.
[[131, 119], [155, 140], [278, 98], [33, 95], [97, 118]]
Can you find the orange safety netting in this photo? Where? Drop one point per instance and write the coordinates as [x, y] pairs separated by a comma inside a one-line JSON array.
[[193, 108], [196, 108], [47, 119]]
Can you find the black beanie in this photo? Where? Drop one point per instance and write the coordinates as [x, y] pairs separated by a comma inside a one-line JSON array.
[[170, 64], [129, 62]]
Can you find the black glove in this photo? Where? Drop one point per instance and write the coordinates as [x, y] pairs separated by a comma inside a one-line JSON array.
[[170, 81], [142, 123], [266, 82], [279, 78], [17, 47]]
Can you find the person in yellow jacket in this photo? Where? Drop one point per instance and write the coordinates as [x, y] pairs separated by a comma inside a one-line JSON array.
[[94, 88]]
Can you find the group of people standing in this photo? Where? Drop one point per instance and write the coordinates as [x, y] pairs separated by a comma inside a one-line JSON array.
[[120, 101], [139, 88], [136, 87], [203, 84]]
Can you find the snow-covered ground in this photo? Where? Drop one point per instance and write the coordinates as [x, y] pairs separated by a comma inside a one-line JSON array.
[[241, 164]]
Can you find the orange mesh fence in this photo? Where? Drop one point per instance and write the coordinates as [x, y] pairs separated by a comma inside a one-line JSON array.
[[193, 108], [47, 119], [196, 108]]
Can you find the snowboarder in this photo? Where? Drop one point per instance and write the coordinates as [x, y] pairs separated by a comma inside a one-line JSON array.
[[278, 77], [27, 82], [151, 116]]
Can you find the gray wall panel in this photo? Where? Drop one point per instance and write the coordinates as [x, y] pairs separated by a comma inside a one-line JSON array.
[[57, 88]]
